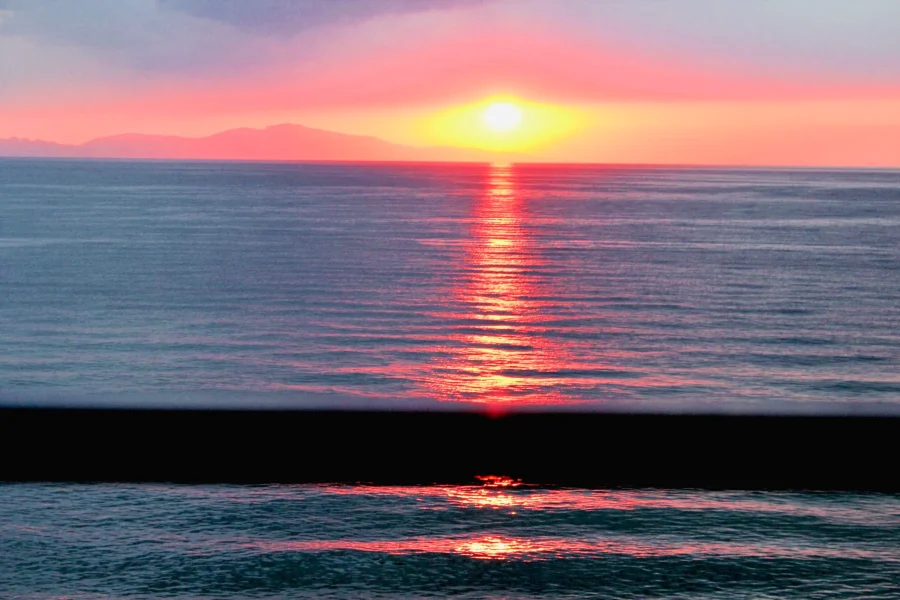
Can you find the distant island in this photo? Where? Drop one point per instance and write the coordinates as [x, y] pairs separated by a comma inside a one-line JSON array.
[[277, 142]]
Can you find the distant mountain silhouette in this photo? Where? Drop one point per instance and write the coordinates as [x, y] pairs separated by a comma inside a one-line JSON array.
[[277, 142], [23, 147]]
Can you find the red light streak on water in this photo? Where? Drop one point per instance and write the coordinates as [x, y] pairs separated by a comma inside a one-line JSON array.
[[495, 481], [524, 497], [509, 359], [505, 494], [501, 547]]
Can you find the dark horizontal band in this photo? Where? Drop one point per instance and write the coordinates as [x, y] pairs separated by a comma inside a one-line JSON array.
[[566, 449]]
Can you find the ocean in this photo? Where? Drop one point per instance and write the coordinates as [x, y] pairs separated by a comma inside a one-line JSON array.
[[163, 541], [256, 284], [447, 287]]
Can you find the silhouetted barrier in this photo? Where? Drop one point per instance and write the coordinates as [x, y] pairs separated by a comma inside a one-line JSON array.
[[566, 449]]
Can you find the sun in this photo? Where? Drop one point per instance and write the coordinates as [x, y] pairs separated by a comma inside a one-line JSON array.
[[501, 123], [502, 116]]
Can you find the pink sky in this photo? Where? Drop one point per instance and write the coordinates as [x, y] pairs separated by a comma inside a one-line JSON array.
[[803, 82]]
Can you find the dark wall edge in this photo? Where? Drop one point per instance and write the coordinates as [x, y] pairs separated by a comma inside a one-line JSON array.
[[589, 450]]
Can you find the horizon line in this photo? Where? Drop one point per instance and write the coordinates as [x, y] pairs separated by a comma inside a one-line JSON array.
[[523, 156], [536, 163]]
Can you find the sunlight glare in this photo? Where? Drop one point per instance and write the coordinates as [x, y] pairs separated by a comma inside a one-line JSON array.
[[501, 124], [502, 116]]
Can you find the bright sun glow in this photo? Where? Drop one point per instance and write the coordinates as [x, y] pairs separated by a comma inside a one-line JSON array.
[[502, 116], [501, 124]]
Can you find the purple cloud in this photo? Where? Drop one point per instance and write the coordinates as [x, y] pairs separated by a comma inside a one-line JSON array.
[[293, 16]]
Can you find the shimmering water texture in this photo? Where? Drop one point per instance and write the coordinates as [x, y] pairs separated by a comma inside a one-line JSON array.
[[478, 542], [754, 290]]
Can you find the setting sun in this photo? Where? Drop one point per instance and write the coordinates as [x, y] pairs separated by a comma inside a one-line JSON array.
[[502, 116], [505, 124]]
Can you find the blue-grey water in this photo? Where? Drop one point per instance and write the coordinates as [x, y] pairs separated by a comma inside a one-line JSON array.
[[454, 285], [447, 286], [118, 541]]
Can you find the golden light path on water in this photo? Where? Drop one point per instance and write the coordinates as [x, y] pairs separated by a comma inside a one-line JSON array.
[[503, 356]]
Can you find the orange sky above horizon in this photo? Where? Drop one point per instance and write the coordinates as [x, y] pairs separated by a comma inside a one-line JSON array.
[[807, 83]]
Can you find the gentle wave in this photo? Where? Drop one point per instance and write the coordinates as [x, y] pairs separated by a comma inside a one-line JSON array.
[[498, 540], [525, 285]]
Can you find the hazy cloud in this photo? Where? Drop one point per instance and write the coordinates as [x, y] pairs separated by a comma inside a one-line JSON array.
[[856, 37], [293, 16], [188, 36], [45, 41], [195, 35], [133, 33]]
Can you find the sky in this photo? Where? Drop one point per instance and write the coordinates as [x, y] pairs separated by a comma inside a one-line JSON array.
[[763, 82]]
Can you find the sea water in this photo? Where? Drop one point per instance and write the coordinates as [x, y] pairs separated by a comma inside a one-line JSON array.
[[449, 285], [491, 541], [462, 286]]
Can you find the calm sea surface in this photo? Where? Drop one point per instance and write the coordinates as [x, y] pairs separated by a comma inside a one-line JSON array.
[[202, 284], [116, 541], [260, 284]]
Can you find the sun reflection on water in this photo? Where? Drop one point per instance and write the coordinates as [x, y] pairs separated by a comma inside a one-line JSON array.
[[525, 523], [502, 547], [500, 352]]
